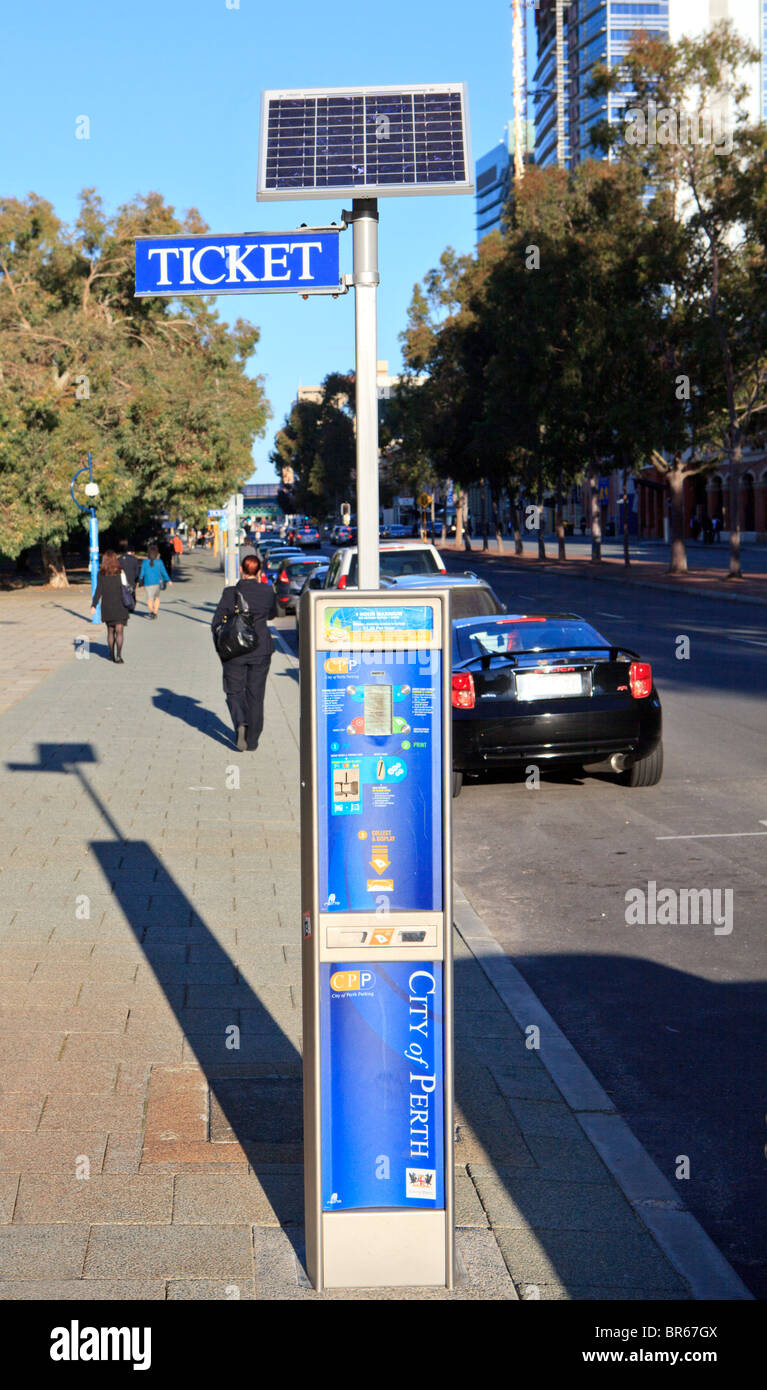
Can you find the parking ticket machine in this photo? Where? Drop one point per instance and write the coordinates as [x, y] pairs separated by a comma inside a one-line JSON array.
[[376, 949]]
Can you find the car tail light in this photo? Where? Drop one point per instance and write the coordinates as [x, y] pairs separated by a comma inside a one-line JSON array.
[[284, 577], [640, 679], [342, 582], [442, 569], [463, 691]]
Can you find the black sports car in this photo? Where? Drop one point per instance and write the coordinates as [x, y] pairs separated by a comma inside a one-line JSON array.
[[549, 688]]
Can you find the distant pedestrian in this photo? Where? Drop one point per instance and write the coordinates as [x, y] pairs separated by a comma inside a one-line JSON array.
[[178, 546], [166, 552], [110, 586], [129, 564], [716, 526], [245, 675], [708, 531], [154, 576]]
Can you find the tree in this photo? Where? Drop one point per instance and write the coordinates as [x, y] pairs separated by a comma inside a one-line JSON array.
[[156, 389], [317, 444], [710, 185]]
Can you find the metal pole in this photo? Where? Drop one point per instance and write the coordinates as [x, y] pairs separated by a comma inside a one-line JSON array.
[[365, 279], [93, 537], [231, 573]]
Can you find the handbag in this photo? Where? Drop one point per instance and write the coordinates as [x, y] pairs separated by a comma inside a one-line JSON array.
[[126, 594], [236, 634]]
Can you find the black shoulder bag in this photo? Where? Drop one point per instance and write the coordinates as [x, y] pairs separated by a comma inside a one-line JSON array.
[[237, 633]]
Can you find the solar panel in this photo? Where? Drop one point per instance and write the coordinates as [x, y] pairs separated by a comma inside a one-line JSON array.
[[364, 142]]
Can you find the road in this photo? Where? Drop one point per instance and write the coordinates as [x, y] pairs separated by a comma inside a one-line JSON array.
[[671, 1019]]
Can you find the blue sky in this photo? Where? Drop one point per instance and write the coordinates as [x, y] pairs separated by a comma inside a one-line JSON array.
[[172, 90]]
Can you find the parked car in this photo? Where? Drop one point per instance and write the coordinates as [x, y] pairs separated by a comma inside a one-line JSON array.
[[314, 580], [290, 579], [395, 557], [549, 688], [276, 556], [470, 597]]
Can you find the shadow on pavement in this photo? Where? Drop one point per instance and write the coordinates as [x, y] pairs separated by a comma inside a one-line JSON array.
[[194, 714]]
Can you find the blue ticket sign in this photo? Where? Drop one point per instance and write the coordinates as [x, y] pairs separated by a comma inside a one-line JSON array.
[[382, 1085], [379, 746], [252, 263]]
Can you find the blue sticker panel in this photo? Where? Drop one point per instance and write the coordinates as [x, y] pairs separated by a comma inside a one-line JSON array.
[[382, 1085], [379, 746]]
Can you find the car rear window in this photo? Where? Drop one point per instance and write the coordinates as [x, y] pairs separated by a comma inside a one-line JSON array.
[[396, 562], [508, 636], [300, 567], [468, 601]]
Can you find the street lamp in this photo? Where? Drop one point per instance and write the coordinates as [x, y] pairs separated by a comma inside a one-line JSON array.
[[91, 490]]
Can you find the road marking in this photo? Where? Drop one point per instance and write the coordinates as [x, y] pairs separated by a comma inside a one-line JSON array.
[[717, 835], [602, 614], [750, 641]]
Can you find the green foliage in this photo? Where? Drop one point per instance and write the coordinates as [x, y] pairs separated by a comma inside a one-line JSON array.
[[156, 389], [317, 443]]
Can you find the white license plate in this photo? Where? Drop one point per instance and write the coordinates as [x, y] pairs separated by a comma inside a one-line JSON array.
[[537, 686]]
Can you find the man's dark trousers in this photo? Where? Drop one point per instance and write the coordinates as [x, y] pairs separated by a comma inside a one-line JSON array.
[[244, 686]]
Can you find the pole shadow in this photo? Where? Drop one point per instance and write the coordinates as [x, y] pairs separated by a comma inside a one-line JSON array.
[[255, 1088]]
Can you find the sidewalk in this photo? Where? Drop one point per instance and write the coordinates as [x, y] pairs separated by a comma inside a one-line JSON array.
[[149, 923], [641, 573]]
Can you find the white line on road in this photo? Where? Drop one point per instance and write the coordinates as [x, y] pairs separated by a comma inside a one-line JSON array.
[[602, 614], [717, 835], [750, 641]]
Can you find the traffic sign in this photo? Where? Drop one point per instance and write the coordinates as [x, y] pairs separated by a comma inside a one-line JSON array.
[[302, 262]]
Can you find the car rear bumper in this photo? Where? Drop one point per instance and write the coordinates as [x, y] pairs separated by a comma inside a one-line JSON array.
[[554, 737]]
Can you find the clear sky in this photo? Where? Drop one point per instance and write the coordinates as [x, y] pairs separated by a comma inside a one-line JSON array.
[[172, 91]]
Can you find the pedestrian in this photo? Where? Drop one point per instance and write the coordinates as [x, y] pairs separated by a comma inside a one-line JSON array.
[[178, 547], [166, 553], [129, 564], [716, 526], [245, 675], [708, 531], [154, 576], [110, 587]]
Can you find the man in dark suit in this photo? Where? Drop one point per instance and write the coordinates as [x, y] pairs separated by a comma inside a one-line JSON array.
[[129, 564], [245, 675]]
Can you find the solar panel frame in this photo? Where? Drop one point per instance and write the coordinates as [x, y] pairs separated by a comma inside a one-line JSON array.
[[317, 142]]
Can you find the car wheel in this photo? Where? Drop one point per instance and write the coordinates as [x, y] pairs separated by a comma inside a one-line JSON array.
[[457, 782], [646, 773]]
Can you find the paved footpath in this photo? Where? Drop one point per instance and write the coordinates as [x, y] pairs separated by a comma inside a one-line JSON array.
[[149, 923]]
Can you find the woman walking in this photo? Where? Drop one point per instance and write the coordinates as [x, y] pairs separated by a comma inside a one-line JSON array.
[[152, 575], [245, 675], [110, 587]]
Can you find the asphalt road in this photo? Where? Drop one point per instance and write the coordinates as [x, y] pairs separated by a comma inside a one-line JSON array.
[[670, 1018]]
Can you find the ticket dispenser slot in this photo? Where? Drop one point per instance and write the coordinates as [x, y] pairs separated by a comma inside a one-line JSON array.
[[376, 885]]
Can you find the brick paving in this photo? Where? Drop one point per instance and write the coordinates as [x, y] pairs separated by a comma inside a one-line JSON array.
[[150, 989]]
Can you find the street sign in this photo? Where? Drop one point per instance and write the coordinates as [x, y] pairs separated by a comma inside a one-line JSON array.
[[301, 262], [216, 511]]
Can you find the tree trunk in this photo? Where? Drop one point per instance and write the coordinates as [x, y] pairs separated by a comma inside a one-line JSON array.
[[53, 565], [678, 563], [594, 513], [458, 518], [497, 523], [560, 522], [539, 502], [485, 542], [736, 571], [626, 556]]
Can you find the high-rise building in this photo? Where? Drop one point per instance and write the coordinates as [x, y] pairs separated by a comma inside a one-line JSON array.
[[492, 182], [592, 32]]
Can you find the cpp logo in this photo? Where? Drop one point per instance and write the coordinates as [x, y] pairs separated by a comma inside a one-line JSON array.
[[345, 980]]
